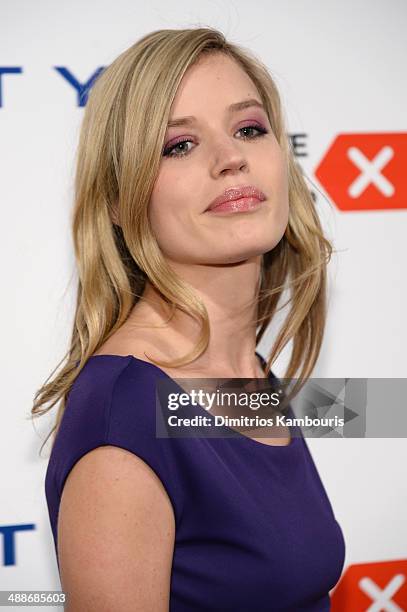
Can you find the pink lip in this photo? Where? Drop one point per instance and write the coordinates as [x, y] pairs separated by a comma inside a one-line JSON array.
[[241, 197]]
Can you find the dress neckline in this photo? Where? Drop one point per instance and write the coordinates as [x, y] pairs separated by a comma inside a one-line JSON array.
[[294, 439]]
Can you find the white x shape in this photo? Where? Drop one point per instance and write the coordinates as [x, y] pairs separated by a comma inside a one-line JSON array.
[[382, 598], [370, 171]]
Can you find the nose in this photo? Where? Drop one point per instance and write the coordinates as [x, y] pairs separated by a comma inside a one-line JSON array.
[[227, 156]]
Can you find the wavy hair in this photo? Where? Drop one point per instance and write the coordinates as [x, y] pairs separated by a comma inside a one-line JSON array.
[[117, 162]]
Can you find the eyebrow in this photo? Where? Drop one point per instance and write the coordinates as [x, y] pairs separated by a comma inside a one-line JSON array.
[[237, 106]]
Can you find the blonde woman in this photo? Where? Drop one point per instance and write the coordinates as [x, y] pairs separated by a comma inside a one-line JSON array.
[[191, 219]]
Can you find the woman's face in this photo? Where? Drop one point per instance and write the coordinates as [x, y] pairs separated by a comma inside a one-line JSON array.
[[218, 149]]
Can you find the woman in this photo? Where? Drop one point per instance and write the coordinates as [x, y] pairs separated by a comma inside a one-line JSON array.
[[172, 287]]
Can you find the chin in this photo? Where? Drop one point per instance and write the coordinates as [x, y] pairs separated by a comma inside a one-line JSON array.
[[240, 255], [254, 248]]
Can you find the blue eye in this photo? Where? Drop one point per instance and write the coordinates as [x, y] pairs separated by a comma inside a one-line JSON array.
[[167, 152]]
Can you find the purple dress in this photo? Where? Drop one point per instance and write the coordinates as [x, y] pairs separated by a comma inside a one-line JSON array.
[[255, 530]]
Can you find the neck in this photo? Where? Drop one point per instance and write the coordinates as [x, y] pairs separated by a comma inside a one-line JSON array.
[[229, 293]]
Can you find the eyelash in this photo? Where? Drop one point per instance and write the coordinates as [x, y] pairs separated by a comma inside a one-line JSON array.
[[262, 131]]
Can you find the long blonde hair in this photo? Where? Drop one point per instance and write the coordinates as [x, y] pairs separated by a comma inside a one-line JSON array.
[[118, 158]]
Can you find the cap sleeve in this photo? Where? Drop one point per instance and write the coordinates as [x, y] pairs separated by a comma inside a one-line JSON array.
[[111, 403], [131, 424]]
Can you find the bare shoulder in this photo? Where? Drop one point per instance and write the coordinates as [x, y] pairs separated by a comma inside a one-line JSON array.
[[116, 532]]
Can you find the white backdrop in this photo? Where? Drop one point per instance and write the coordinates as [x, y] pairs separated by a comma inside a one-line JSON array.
[[340, 67]]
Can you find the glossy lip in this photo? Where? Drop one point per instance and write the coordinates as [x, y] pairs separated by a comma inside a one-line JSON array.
[[236, 206], [236, 193]]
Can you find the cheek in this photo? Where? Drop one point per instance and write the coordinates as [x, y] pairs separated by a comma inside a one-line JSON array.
[[282, 177], [278, 183], [175, 197], [162, 214], [163, 200], [276, 172], [169, 211], [164, 225]]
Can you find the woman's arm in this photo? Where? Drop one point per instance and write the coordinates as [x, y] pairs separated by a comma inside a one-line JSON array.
[[116, 531]]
